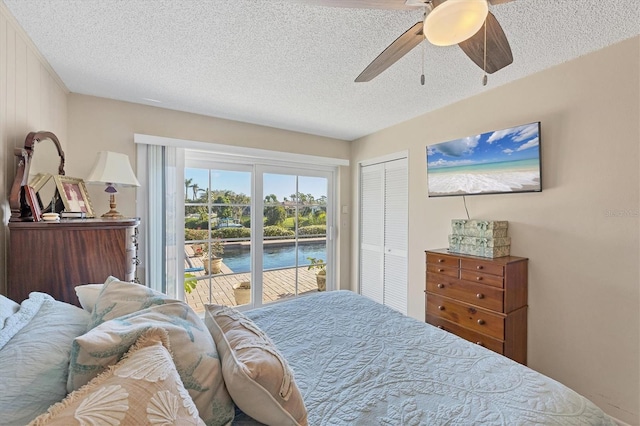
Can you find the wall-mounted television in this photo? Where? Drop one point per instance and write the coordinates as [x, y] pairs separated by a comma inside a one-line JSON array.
[[497, 162]]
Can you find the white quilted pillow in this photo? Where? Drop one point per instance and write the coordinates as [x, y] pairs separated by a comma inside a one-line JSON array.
[[7, 308]]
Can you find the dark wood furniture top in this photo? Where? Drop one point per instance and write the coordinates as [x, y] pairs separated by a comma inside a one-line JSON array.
[[480, 299], [54, 257]]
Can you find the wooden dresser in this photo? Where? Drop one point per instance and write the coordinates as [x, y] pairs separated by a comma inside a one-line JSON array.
[[54, 257], [480, 299]]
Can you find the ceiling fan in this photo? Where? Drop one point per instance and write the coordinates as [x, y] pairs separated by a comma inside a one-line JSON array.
[[467, 23]]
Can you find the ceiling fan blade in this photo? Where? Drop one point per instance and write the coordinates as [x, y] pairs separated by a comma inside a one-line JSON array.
[[498, 50], [396, 50], [360, 4]]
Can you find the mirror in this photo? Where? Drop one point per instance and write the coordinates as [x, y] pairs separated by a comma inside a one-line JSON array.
[[43, 166], [40, 159]]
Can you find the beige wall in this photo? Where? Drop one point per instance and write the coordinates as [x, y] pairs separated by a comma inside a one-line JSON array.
[[583, 272], [102, 124], [32, 98]]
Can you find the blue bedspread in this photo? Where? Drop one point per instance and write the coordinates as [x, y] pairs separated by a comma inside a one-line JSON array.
[[360, 363]]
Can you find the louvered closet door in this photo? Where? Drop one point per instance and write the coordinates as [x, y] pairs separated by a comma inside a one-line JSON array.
[[372, 232], [383, 235], [395, 234]]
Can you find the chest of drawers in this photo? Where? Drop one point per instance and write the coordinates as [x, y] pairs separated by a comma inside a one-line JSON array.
[[479, 299], [54, 257]]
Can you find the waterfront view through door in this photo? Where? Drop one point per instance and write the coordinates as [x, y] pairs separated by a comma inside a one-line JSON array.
[[224, 261], [295, 233]]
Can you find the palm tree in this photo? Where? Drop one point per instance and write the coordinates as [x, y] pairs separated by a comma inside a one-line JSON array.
[[195, 188], [187, 185], [271, 198]]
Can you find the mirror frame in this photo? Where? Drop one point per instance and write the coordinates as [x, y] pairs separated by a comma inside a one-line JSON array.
[[20, 211]]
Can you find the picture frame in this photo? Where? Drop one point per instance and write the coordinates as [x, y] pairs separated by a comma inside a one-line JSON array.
[[39, 180], [74, 195], [34, 204]]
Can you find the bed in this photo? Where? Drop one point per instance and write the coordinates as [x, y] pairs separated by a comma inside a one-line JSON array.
[[353, 362]]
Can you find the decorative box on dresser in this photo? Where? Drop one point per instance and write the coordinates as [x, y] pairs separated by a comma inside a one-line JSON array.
[[480, 299], [54, 257]]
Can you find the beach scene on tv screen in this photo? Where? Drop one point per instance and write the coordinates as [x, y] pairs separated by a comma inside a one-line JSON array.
[[505, 160]]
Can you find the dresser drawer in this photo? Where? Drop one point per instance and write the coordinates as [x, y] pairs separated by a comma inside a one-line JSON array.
[[443, 259], [466, 315], [450, 271], [482, 266], [477, 294], [480, 277], [477, 338]]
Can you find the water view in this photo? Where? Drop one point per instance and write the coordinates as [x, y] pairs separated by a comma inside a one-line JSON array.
[[238, 258]]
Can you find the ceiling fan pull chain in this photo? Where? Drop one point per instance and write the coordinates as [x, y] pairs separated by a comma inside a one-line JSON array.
[[484, 68], [424, 49]]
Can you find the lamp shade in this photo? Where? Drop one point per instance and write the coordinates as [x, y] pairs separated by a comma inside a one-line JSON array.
[[454, 21], [113, 168]]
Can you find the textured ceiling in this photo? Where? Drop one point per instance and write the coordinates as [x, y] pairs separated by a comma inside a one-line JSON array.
[[289, 65]]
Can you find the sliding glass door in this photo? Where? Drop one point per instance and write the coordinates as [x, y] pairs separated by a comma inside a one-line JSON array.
[[294, 242], [255, 234], [217, 235]]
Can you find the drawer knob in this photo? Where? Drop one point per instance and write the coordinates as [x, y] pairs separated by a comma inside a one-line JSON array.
[[440, 285], [479, 278], [441, 307], [479, 343], [441, 327], [481, 321], [479, 267], [440, 260], [440, 270], [480, 296]]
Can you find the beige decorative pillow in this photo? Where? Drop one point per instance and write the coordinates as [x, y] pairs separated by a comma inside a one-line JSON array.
[[255, 373], [143, 388], [88, 294], [194, 350]]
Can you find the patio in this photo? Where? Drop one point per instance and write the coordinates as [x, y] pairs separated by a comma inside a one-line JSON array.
[[218, 289]]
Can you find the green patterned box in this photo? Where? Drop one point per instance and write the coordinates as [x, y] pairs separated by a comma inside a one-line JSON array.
[[480, 246], [480, 228]]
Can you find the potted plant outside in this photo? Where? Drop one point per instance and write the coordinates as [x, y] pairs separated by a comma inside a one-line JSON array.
[[198, 249], [211, 259], [321, 275], [242, 292]]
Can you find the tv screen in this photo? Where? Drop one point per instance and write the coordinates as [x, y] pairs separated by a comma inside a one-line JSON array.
[[502, 161]]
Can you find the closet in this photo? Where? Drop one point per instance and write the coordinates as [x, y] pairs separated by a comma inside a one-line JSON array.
[[384, 200]]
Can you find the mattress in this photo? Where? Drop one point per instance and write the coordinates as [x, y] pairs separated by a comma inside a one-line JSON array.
[[357, 362]]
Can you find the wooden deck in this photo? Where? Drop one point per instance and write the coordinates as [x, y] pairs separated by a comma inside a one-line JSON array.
[[218, 289]]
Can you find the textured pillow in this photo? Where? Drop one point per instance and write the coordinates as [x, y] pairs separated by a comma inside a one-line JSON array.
[[118, 298], [7, 308], [193, 348], [256, 374], [35, 347], [143, 388], [88, 294]]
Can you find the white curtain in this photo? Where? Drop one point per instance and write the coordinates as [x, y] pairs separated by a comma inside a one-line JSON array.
[[160, 171]]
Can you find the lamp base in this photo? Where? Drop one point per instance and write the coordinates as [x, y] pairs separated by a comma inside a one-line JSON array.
[[112, 214]]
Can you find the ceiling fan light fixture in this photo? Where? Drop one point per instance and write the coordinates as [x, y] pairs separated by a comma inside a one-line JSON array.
[[454, 21]]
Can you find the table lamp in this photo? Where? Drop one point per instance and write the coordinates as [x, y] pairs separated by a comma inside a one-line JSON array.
[[112, 169]]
